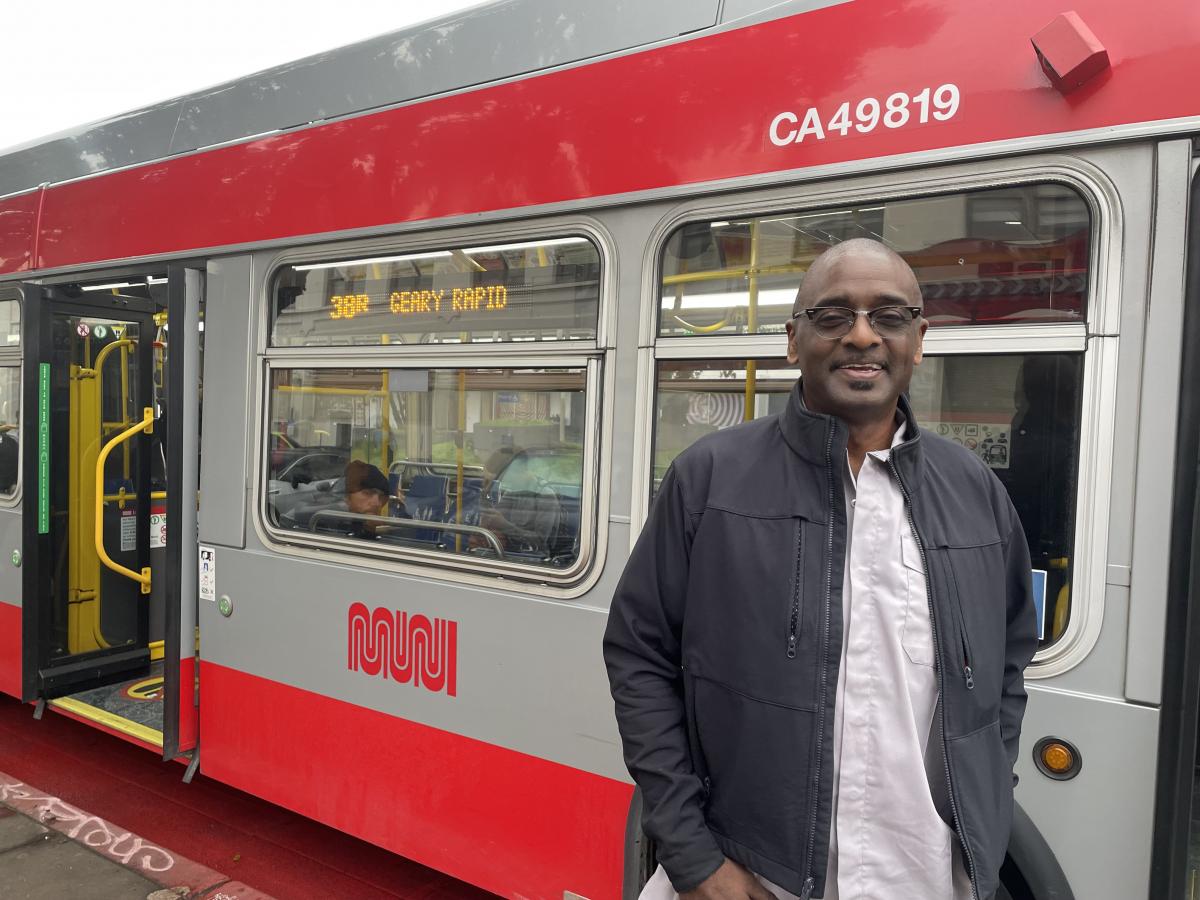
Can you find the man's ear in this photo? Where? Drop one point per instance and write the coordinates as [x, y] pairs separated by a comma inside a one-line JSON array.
[[921, 329], [793, 352]]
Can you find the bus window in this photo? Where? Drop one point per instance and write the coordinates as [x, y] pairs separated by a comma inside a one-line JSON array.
[[1019, 413], [1012, 255], [10, 420], [10, 323], [10, 397], [696, 398], [479, 463], [539, 290]]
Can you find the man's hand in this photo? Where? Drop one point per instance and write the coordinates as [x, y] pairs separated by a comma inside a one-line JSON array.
[[730, 882]]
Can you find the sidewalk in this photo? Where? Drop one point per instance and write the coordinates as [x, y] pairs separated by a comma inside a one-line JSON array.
[[51, 850]]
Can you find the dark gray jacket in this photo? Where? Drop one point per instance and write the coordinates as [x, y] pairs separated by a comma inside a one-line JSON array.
[[725, 635]]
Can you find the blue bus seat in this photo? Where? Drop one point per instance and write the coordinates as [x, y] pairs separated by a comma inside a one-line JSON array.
[[425, 499], [472, 494]]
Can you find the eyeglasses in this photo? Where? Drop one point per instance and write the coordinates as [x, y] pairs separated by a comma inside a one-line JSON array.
[[833, 322]]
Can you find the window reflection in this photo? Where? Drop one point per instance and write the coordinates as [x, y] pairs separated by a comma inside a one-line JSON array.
[[10, 323], [484, 463], [1000, 256], [10, 420]]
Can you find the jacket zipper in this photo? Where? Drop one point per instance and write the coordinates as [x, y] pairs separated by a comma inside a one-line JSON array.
[[794, 623], [940, 663], [965, 642], [809, 883]]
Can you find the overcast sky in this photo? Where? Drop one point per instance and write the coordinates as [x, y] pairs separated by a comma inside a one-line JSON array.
[[69, 62]]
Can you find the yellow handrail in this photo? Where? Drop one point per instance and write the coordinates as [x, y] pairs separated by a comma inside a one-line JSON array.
[[121, 497], [107, 349], [146, 425]]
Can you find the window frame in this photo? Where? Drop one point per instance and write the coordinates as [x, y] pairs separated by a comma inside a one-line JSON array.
[[1096, 339], [594, 357], [13, 357]]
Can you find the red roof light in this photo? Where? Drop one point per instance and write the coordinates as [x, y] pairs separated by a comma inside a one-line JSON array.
[[1069, 52]]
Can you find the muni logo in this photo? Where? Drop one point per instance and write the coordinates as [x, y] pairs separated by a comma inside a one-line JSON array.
[[404, 648]]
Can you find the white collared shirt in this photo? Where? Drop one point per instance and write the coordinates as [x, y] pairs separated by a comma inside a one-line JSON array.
[[888, 838]]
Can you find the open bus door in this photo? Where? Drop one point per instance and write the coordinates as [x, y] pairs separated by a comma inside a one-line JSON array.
[[185, 291], [102, 568]]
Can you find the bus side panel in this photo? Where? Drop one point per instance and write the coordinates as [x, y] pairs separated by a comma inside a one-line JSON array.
[[18, 224], [10, 603], [505, 821], [1099, 824], [10, 648], [188, 716]]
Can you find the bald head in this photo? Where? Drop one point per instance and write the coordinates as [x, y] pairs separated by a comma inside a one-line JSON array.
[[848, 253]]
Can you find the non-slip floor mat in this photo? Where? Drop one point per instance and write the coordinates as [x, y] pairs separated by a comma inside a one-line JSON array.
[[139, 699]]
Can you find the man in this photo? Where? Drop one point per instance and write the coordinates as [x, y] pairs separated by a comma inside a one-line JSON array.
[[368, 493], [367, 489], [816, 648]]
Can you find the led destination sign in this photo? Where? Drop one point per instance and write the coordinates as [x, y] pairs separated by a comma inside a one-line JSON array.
[[493, 298], [546, 289]]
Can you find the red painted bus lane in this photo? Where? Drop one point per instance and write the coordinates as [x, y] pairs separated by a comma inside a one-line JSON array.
[[246, 840]]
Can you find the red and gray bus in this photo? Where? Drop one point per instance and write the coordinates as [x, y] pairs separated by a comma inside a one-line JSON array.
[[513, 261]]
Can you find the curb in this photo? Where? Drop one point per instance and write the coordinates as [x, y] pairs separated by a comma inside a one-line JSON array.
[[180, 877]]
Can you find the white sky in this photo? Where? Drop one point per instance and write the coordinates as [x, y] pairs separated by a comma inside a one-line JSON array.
[[69, 62]]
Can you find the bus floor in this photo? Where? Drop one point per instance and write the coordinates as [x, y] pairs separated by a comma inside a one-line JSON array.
[[133, 706], [278, 852]]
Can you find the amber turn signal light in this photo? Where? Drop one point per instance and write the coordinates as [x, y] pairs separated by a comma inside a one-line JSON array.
[[1056, 758]]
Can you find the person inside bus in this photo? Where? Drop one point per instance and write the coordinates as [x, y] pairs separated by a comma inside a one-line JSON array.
[[368, 493], [524, 515], [816, 648], [1038, 475]]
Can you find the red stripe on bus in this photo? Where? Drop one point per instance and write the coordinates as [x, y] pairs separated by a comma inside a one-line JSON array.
[[18, 219], [188, 712], [502, 820], [695, 111], [10, 649]]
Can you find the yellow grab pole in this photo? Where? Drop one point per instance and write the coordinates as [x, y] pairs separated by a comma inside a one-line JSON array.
[[386, 412], [97, 372], [458, 453], [121, 497], [147, 426], [108, 349], [124, 402]]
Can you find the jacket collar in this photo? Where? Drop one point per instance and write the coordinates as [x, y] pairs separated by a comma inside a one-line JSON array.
[[816, 437]]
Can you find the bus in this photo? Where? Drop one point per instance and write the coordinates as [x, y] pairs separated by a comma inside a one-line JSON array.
[[492, 274]]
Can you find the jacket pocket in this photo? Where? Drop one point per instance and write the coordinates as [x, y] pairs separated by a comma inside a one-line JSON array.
[[983, 787], [757, 760], [917, 635], [976, 580], [750, 618], [699, 766]]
